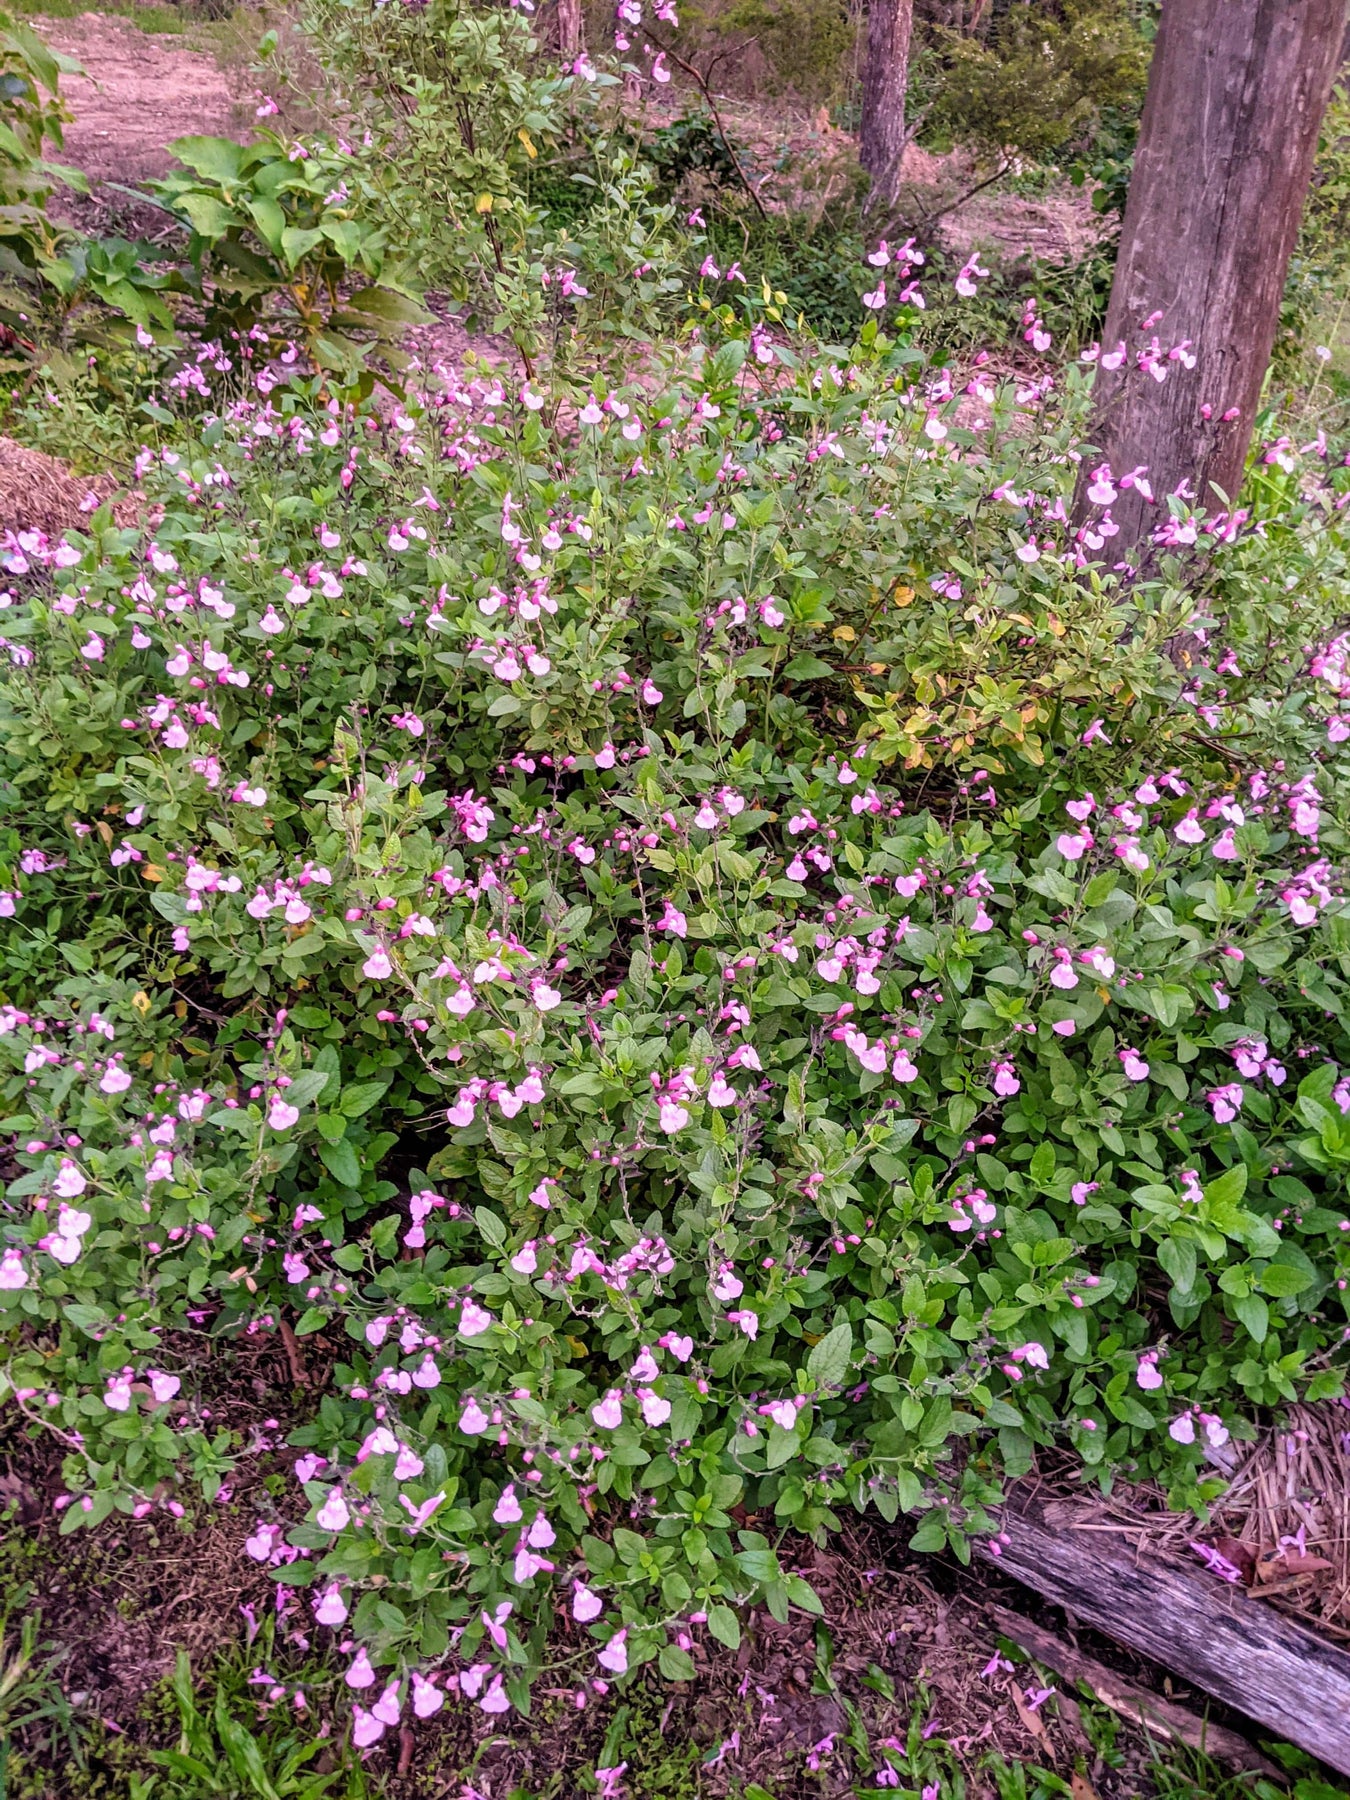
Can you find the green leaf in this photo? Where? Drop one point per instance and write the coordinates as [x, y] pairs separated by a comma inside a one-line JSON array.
[[675, 1664], [1282, 1279], [270, 220], [296, 244], [307, 1087], [1177, 1256], [386, 304], [359, 1098], [218, 158], [1223, 1193], [341, 1162], [829, 1360], [802, 1594], [931, 1534], [490, 1226], [807, 668], [210, 218], [1254, 1315], [725, 1626]]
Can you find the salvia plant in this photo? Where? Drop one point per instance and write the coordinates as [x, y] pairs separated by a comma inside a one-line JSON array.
[[699, 949]]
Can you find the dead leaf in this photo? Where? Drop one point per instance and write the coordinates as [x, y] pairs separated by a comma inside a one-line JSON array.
[[1241, 1555], [1081, 1788], [1032, 1720], [1287, 1565]]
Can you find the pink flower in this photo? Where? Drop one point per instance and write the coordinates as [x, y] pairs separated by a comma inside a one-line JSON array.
[[427, 1698], [281, 1115], [333, 1514], [655, 1409], [585, 1604], [473, 1420], [366, 1728], [1005, 1079], [387, 1707], [1226, 1102], [377, 965], [360, 1674], [496, 1699], [614, 1656], [728, 1285], [418, 1515], [331, 1608], [608, 1413], [673, 921], [673, 1117], [508, 1510], [473, 1320]]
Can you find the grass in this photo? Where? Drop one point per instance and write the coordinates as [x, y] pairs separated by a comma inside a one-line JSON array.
[[166, 20]]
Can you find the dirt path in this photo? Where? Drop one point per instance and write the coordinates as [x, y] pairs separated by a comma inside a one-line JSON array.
[[141, 91]]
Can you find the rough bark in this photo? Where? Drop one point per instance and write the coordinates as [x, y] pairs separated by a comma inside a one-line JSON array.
[[1236, 95], [1238, 1650], [881, 138], [570, 36]]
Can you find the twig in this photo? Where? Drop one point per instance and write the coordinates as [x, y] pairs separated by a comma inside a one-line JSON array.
[[929, 219], [291, 1345], [728, 146]]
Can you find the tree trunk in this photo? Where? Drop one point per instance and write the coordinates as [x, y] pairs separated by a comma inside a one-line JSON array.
[[1236, 95], [570, 39], [881, 140], [1241, 1651]]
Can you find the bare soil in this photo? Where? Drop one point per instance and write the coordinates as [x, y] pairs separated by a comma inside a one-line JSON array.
[[141, 90]]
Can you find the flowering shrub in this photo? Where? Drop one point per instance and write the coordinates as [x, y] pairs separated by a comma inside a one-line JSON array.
[[699, 949]]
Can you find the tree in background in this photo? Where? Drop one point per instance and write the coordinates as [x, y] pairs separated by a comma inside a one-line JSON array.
[[1235, 100], [885, 79], [570, 35], [1034, 82]]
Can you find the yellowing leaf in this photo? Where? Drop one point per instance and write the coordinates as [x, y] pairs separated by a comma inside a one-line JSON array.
[[141, 1001], [528, 142], [903, 596], [483, 204], [152, 872], [844, 633]]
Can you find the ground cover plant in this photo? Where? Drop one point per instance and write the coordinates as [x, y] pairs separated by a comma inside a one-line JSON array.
[[690, 940], [667, 916]]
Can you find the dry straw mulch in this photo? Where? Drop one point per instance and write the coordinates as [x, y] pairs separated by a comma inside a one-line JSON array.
[[38, 493]]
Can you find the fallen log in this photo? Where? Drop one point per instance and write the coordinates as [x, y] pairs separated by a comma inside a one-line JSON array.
[[1254, 1659], [1157, 1716]]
